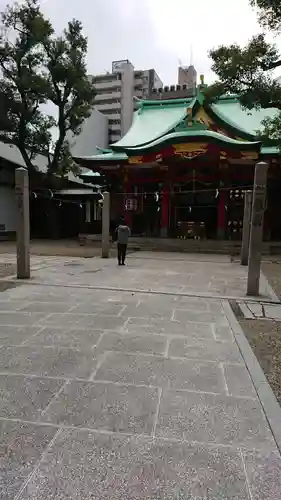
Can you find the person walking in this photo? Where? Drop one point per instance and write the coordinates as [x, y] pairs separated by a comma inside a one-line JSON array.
[[123, 234]]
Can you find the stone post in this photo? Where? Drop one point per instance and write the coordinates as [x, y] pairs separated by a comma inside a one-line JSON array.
[[88, 215], [246, 228], [256, 228], [23, 224], [105, 225]]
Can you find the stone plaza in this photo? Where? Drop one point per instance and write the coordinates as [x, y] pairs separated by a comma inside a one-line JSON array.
[[134, 383]]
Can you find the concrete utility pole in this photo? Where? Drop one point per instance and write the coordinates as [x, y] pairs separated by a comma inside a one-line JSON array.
[[23, 224], [246, 228], [256, 229], [105, 225]]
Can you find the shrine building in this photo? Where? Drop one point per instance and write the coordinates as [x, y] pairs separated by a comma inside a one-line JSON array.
[[183, 167]]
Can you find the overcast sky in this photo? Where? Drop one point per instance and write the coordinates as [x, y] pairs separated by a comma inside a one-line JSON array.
[[155, 33]]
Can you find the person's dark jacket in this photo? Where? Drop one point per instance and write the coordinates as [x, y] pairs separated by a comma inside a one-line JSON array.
[[123, 234]]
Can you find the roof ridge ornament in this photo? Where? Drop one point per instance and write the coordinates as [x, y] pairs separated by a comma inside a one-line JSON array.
[[200, 95]]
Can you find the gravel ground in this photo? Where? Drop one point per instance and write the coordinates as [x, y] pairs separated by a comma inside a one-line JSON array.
[[272, 271], [6, 270], [264, 335]]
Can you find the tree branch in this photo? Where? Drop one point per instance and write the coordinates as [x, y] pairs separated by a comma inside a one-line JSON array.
[[273, 65]]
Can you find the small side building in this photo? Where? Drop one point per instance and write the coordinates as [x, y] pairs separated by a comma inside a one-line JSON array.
[[59, 207], [94, 134]]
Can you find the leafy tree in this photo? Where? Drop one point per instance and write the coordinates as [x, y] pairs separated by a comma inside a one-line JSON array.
[[247, 71], [38, 68], [269, 13]]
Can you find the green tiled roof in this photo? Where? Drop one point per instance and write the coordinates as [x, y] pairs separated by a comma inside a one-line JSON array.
[[208, 135], [90, 174], [270, 150], [103, 157], [230, 111], [153, 120], [167, 121]]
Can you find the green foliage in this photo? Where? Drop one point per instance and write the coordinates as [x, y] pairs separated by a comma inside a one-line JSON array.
[[269, 13], [242, 71], [39, 68], [247, 71]]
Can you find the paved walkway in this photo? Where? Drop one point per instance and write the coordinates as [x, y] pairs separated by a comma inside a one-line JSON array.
[[127, 383]]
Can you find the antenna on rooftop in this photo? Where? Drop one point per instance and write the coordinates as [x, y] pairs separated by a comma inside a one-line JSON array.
[[191, 55]]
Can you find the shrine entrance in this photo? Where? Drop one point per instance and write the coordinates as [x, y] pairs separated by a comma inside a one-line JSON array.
[[194, 211]]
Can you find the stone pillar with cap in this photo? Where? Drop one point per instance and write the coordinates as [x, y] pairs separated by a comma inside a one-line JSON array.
[[23, 223], [256, 228], [105, 225]]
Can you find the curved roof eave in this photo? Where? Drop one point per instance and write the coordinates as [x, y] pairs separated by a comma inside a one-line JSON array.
[[247, 122], [102, 158], [201, 134]]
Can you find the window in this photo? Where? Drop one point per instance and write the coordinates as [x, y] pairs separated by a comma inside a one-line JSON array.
[[111, 111], [114, 122], [106, 101], [104, 90]]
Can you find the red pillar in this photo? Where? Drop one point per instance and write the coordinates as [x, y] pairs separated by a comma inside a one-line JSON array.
[[221, 215], [165, 212]]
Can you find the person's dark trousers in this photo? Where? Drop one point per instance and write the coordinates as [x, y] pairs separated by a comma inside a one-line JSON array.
[[121, 248]]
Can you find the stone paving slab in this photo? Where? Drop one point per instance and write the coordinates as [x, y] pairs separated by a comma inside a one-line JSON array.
[[7, 306], [21, 318], [115, 393], [177, 274], [264, 474], [47, 361], [45, 307], [199, 317], [260, 310], [65, 337], [22, 445], [238, 380], [208, 350], [93, 466], [16, 335], [273, 312], [140, 369], [95, 321], [109, 407], [209, 418], [26, 397], [146, 344], [166, 327], [98, 308]]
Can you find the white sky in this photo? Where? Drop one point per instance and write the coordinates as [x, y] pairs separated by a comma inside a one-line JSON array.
[[156, 33]]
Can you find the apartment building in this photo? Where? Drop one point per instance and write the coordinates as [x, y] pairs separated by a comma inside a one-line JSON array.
[[116, 93]]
